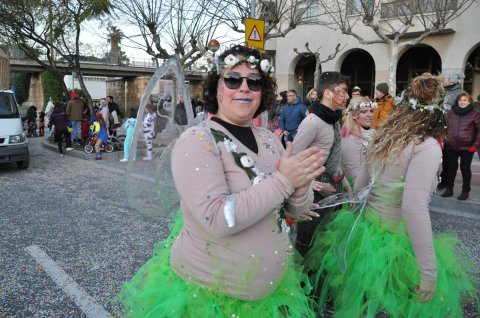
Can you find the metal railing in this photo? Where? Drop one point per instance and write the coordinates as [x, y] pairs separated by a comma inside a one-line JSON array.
[[405, 8]]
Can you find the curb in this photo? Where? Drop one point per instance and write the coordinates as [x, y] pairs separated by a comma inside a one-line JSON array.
[[470, 206], [78, 153]]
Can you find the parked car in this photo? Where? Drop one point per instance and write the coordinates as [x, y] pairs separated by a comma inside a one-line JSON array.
[[13, 142]]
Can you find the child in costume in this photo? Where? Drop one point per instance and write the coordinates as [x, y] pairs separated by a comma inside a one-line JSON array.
[[231, 255], [129, 127], [149, 131], [98, 128], [384, 257]]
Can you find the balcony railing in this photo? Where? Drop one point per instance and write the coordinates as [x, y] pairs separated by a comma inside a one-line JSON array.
[[406, 8]]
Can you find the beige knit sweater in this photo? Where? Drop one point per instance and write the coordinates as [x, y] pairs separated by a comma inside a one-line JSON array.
[[249, 259]]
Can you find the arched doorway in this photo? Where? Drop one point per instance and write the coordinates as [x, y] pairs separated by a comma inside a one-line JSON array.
[[414, 62], [305, 75], [360, 66], [472, 73]]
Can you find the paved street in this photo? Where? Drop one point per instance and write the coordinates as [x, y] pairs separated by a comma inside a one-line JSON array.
[[69, 240]]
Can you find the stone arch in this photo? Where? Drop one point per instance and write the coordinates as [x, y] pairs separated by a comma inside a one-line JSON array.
[[359, 65], [415, 61], [303, 70], [471, 84]]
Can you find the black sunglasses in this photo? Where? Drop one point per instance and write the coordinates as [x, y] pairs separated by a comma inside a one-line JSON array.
[[234, 81]]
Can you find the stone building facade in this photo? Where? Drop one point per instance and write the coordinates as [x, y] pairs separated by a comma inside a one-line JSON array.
[[457, 48]]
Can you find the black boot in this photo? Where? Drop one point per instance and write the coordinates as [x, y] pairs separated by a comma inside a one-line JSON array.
[[441, 186], [463, 195], [448, 192]]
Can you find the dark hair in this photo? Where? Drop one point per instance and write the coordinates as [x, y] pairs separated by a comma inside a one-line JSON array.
[[210, 82], [330, 80], [110, 96], [292, 91], [133, 112]]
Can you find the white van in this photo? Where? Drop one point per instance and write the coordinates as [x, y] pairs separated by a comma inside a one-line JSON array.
[[13, 143]]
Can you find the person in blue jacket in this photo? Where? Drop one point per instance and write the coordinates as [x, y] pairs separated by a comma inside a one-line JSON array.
[[291, 116]]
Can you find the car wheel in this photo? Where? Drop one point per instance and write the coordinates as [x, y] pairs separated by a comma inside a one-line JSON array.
[[23, 164]]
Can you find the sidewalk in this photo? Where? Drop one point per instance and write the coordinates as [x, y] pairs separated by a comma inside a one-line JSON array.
[[451, 204], [438, 204]]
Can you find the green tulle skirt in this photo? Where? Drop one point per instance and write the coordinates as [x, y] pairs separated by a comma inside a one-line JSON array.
[[156, 291], [373, 269]]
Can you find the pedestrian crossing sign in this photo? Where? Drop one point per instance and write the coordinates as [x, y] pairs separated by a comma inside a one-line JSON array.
[[254, 33]]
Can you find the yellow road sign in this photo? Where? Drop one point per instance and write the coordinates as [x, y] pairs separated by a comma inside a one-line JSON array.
[[254, 33]]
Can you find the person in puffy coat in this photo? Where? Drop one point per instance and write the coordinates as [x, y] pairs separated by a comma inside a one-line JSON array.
[[385, 104], [59, 119], [463, 140]]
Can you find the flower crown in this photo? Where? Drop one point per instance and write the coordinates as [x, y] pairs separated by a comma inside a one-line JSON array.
[[231, 60], [361, 105], [415, 104]]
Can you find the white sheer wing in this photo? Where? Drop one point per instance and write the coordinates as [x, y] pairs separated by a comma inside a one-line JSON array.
[[149, 184]]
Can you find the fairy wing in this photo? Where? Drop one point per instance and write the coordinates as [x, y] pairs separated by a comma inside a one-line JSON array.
[[149, 183]]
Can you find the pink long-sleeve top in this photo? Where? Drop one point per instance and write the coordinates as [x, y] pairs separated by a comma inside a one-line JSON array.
[[247, 260], [401, 194]]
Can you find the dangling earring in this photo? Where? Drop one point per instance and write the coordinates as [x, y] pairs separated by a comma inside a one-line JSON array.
[[220, 92]]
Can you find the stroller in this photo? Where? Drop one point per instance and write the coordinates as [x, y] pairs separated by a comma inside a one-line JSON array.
[[90, 145], [32, 121]]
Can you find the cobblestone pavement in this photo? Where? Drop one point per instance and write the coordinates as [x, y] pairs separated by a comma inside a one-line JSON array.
[[75, 210]]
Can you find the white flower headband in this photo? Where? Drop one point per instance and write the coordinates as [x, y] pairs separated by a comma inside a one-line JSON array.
[[361, 105], [415, 104], [231, 60]]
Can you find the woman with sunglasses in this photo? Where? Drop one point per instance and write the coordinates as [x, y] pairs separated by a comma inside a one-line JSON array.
[[356, 135], [382, 257], [230, 255]]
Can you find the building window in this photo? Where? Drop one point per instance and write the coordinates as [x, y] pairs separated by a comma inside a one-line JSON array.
[[397, 8], [308, 11], [359, 6]]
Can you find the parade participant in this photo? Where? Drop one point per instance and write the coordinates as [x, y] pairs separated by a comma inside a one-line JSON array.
[[59, 119], [129, 127], [356, 92], [148, 127], [385, 104], [384, 258], [356, 135], [99, 128], [293, 112], [453, 87], [231, 255], [114, 116], [103, 109], [463, 140], [74, 111], [311, 99], [321, 129]]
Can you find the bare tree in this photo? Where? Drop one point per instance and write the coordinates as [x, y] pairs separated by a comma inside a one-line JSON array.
[[32, 28], [280, 16], [170, 28], [49, 31], [316, 54], [391, 22]]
